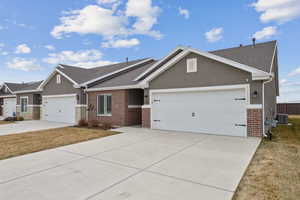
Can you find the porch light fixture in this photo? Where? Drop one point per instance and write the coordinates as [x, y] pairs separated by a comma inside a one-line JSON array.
[[255, 94]]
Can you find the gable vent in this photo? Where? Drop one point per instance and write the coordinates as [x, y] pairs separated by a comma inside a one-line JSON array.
[[191, 65]]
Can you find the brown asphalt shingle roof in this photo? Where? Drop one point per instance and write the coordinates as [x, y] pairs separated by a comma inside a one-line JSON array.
[[126, 78], [82, 75], [259, 56], [14, 87]]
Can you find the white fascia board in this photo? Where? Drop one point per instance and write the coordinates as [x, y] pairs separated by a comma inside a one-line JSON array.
[[137, 86], [59, 95], [67, 77], [51, 76], [165, 67], [273, 58], [158, 63], [230, 62], [114, 72], [8, 88], [27, 91], [8, 96], [256, 74]]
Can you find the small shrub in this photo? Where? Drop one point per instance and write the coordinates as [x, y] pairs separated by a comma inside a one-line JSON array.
[[10, 119], [20, 118], [93, 123], [82, 122], [106, 126]]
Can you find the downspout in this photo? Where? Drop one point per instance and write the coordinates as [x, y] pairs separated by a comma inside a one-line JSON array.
[[87, 103], [263, 90]]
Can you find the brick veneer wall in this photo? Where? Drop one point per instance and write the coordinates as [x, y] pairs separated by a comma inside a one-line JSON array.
[[254, 123], [119, 107], [134, 116], [146, 117], [121, 114]]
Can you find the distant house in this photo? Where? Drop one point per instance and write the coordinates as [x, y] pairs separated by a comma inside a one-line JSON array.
[[291, 108]]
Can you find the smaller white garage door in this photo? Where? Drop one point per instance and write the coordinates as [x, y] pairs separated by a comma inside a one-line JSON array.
[[220, 112], [9, 107], [59, 109]]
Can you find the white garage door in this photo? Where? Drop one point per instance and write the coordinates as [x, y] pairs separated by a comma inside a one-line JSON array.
[[59, 109], [221, 112], [9, 107]]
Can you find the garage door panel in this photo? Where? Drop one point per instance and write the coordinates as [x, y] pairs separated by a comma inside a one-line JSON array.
[[215, 112], [9, 107], [59, 109]]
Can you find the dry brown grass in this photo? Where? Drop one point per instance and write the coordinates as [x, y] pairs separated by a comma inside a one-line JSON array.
[[274, 172], [20, 144], [294, 116], [5, 122]]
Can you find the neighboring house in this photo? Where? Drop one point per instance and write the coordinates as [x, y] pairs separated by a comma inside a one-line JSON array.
[[21, 99], [7, 102], [64, 96], [225, 92]]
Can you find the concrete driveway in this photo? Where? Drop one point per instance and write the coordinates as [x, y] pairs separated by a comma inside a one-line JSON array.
[[139, 164], [26, 126]]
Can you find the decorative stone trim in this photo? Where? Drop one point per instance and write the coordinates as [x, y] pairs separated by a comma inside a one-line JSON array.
[[146, 112], [254, 122]]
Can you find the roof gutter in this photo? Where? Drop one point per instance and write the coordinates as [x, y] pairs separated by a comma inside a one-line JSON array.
[[137, 86], [263, 103], [27, 91]]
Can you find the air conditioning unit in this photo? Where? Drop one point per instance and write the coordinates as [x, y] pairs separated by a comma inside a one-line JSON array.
[[283, 118]]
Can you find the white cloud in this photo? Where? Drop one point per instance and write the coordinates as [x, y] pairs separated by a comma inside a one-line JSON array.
[[184, 12], [280, 11], [23, 49], [265, 33], [295, 72], [138, 18], [107, 1], [146, 17], [50, 47], [214, 34], [91, 19], [84, 58], [113, 4], [120, 43], [4, 53], [23, 64]]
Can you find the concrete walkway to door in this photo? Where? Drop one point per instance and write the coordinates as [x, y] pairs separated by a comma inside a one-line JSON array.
[[139, 164], [27, 126]]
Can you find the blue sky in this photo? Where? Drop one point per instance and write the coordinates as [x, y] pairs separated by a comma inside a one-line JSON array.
[[35, 36]]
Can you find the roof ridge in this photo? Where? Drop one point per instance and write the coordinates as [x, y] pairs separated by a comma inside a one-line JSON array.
[[249, 45]]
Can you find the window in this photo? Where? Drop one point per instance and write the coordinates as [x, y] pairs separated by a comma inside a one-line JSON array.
[[191, 65], [104, 104], [58, 79], [24, 104]]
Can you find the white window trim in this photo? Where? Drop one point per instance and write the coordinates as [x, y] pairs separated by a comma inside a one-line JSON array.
[[24, 97], [105, 114], [58, 79]]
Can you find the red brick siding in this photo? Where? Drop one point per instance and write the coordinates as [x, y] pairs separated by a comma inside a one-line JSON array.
[[121, 114], [254, 122], [134, 116], [146, 117], [119, 107]]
